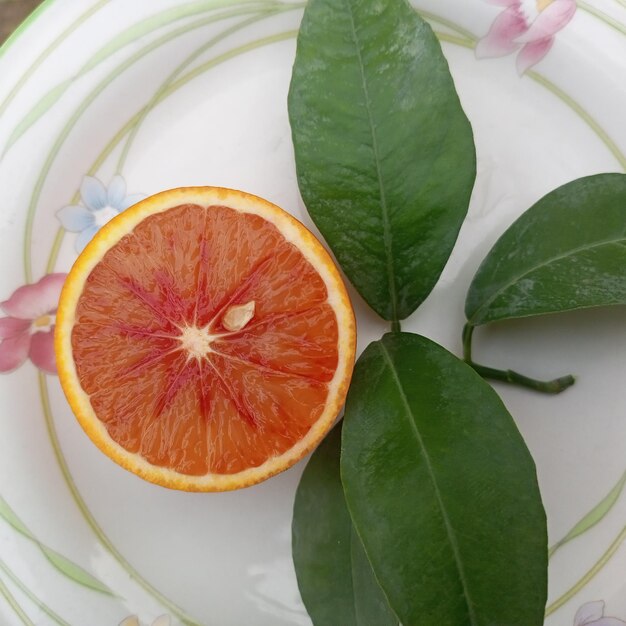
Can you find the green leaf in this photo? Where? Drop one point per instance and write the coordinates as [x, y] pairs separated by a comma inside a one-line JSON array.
[[442, 490], [74, 572], [335, 578], [321, 538], [566, 252], [370, 604], [384, 153]]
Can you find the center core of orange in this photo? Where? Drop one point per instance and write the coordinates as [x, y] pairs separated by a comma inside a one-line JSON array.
[[196, 341]]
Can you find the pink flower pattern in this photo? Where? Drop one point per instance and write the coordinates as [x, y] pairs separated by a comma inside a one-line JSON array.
[[28, 331], [528, 26]]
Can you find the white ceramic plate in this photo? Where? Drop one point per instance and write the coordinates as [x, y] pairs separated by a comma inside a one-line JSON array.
[[180, 92]]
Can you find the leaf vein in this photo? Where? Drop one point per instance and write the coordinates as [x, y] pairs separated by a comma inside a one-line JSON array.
[[387, 236], [431, 472], [621, 241]]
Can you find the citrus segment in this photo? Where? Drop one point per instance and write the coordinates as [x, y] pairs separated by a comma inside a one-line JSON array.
[[205, 339]]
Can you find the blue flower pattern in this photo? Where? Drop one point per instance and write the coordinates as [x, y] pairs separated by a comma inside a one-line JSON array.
[[592, 614], [101, 204]]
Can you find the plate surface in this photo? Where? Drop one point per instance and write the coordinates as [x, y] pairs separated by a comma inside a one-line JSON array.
[[179, 92]]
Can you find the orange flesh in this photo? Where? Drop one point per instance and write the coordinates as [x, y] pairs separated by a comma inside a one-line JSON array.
[[255, 392]]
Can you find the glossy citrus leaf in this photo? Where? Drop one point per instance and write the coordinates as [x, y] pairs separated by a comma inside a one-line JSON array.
[[335, 578], [566, 252], [384, 152], [442, 490], [370, 604]]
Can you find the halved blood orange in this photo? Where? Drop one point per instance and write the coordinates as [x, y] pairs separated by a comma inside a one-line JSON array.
[[205, 339]]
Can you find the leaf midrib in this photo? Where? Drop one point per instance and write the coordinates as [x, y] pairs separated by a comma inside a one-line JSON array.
[[387, 237], [354, 598], [354, 536], [429, 467], [549, 261]]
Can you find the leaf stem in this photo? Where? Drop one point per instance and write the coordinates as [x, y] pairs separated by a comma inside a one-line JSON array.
[[508, 376], [468, 331], [395, 326]]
